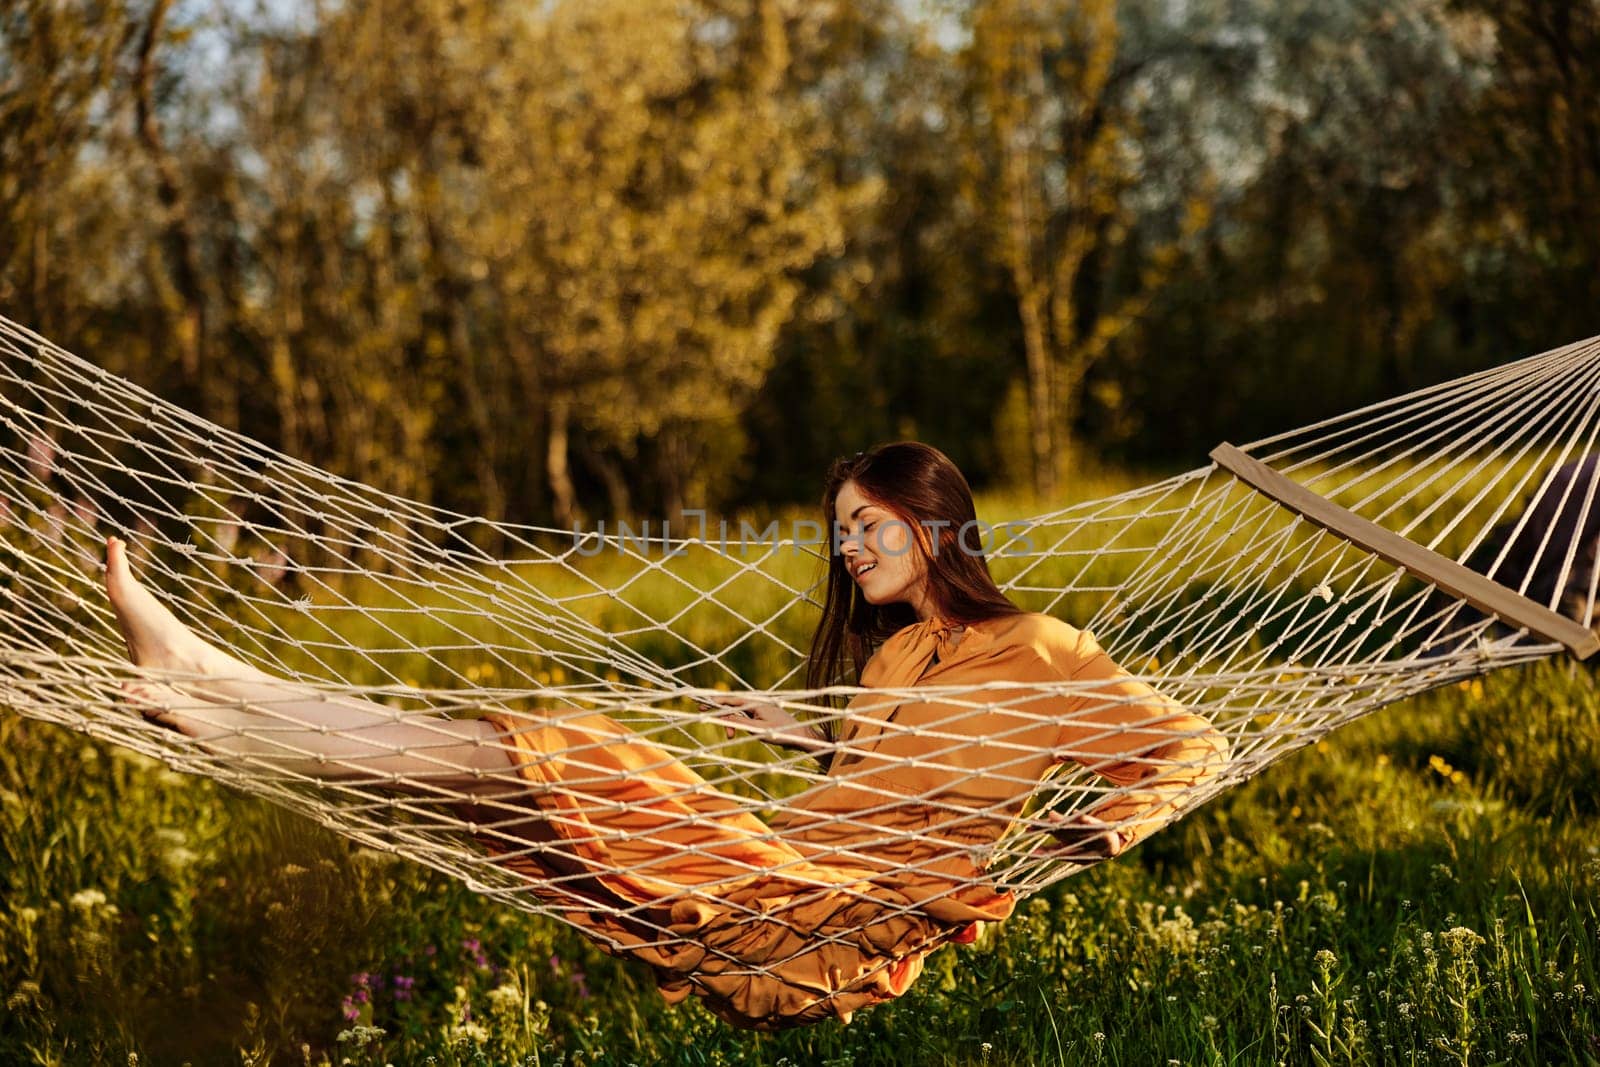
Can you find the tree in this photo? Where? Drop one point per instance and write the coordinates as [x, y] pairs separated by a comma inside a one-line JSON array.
[[1052, 148], [655, 206], [59, 80], [1538, 140]]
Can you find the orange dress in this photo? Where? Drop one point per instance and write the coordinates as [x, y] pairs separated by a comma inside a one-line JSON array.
[[834, 905]]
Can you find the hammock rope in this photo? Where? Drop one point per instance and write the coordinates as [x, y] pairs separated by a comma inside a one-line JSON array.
[[1216, 594]]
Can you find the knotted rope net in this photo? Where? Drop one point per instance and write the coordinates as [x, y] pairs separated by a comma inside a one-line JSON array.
[[1277, 617]]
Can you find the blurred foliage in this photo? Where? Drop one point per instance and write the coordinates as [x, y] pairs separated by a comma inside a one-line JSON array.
[[557, 261]]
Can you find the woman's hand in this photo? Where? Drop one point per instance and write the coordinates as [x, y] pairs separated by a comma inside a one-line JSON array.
[[767, 719], [1086, 838]]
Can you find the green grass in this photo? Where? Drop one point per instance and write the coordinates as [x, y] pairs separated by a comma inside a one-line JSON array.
[[1420, 888]]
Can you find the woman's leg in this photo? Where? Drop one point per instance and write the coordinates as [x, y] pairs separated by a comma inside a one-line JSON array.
[[614, 831], [237, 710]]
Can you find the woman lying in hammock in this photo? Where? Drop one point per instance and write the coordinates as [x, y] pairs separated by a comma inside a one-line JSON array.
[[833, 906]]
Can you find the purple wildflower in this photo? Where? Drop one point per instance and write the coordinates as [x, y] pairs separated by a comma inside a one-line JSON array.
[[41, 456]]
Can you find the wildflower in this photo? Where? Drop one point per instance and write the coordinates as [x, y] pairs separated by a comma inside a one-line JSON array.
[[504, 996], [87, 898], [179, 857], [56, 516], [473, 946], [348, 1009], [360, 1036], [1325, 959], [1461, 940], [41, 456], [273, 568], [1440, 766], [25, 995], [469, 1031], [403, 985]]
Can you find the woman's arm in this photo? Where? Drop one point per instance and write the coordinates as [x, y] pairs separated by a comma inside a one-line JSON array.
[[1159, 786], [770, 723], [1159, 752]]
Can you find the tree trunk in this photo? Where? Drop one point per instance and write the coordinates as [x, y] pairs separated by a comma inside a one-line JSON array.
[[618, 496], [1041, 395], [563, 497], [183, 251], [525, 367], [671, 463]]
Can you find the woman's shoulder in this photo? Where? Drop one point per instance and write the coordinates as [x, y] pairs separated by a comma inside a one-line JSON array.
[[1054, 640]]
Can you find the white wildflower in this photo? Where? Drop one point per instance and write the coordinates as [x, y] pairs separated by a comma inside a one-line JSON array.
[[88, 898]]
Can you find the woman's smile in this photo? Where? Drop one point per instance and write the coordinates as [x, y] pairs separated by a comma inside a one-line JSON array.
[[880, 550]]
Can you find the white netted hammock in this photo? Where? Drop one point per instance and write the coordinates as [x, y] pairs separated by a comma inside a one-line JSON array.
[[1293, 586]]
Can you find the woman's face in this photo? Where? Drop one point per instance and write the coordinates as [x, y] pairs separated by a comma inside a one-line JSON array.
[[880, 551]]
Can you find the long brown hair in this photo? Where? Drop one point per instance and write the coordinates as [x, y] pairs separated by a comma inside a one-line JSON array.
[[928, 493]]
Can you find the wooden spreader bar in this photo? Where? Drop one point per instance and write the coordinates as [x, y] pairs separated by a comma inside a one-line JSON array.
[[1484, 593]]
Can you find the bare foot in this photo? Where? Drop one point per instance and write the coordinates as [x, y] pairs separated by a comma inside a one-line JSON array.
[[159, 703], [154, 635]]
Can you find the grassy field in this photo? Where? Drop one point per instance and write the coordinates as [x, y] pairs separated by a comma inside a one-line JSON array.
[[1419, 888]]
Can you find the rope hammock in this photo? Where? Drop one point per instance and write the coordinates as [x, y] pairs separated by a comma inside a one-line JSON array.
[[1291, 587]]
